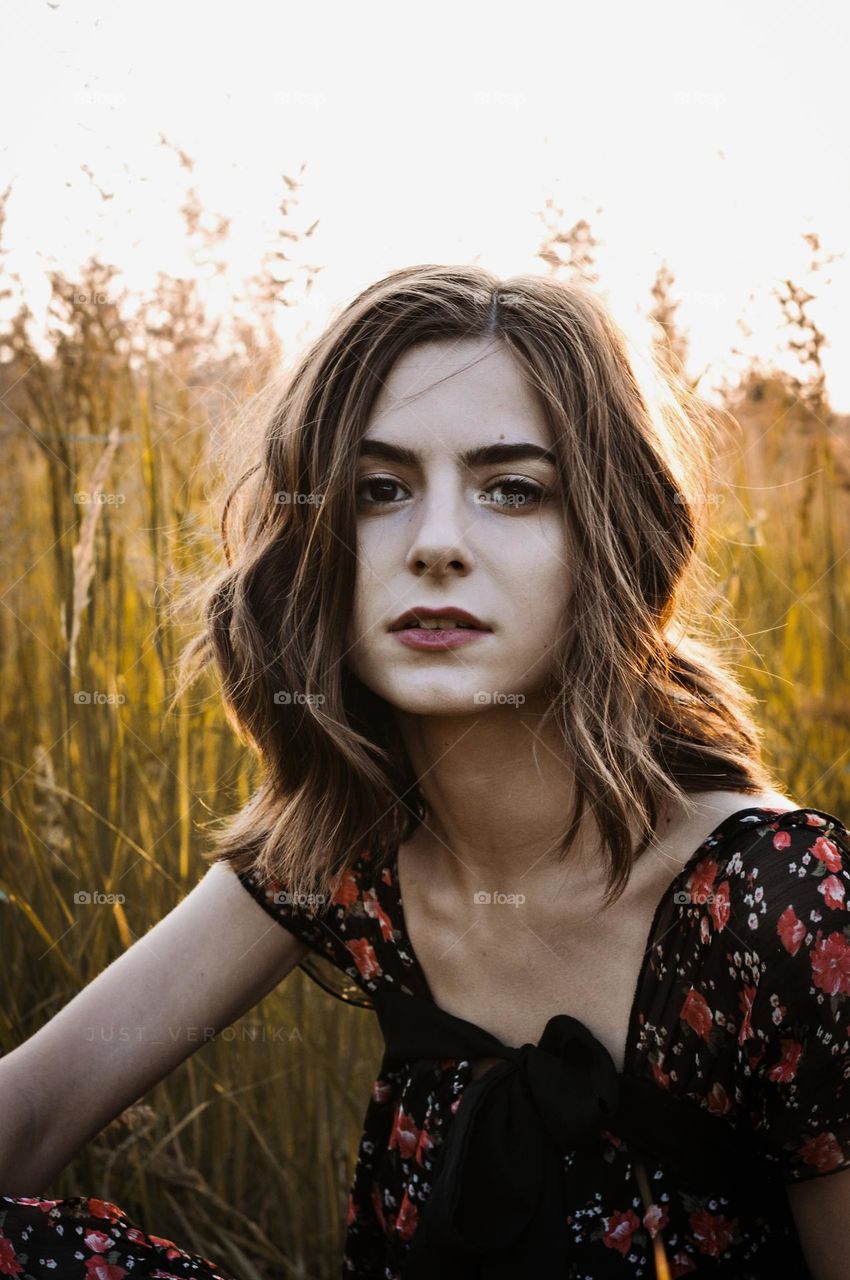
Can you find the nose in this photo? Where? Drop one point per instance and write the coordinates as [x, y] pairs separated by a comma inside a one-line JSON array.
[[441, 529]]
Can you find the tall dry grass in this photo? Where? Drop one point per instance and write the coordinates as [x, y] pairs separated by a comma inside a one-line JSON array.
[[245, 1153]]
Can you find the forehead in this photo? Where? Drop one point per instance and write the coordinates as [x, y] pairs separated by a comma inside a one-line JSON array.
[[457, 389]]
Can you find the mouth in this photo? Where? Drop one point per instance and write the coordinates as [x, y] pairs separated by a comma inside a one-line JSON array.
[[449, 619]]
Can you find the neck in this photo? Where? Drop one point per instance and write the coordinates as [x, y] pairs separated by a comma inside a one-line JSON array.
[[499, 792]]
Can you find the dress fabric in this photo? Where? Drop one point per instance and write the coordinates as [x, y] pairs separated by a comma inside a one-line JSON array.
[[739, 1024]]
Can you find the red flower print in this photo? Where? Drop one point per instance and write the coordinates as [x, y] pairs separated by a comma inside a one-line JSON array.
[[696, 1013], [44, 1205], [786, 1068], [347, 891], [823, 1151], [103, 1209], [833, 892], [97, 1241], [659, 1076], [98, 1268], [680, 1265], [782, 839], [827, 852], [718, 1100], [404, 1134], [719, 906], [712, 1232], [425, 1143], [350, 1211], [364, 957], [655, 1219], [745, 1004], [791, 930], [171, 1250], [408, 1218], [377, 912], [620, 1227], [701, 879], [831, 965], [9, 1265], [134, 1234]]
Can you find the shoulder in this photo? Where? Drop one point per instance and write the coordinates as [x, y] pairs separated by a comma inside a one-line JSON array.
[[789, 889], [789, 886], [315, 917], [352, 927]]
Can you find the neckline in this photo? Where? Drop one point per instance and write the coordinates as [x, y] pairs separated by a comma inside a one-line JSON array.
[[712, 841]]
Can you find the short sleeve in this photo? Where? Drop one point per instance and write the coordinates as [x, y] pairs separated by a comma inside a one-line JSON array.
[[796, 1035], [329, 962]]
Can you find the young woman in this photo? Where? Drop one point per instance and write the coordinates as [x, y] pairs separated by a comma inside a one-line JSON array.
[[514, 802]]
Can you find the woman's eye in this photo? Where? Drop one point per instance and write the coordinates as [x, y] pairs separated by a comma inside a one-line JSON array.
[[384, 486], [521, 493]]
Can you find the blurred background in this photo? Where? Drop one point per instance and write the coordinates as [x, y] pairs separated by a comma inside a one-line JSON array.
[[187, 194]]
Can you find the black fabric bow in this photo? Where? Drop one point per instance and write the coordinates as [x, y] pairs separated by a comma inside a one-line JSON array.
[[497, 1209]]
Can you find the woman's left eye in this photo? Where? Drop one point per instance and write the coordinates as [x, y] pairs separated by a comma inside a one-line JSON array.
[[526, 493]]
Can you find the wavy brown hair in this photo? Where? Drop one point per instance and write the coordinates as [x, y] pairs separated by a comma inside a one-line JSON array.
[[647, 707]]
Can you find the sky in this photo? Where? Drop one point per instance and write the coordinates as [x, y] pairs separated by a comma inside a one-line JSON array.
[[710, 137]]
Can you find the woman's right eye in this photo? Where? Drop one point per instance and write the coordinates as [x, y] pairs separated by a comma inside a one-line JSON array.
[[385, 485]]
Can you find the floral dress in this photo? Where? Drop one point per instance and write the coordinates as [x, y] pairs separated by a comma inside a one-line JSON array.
[[741, 1012]]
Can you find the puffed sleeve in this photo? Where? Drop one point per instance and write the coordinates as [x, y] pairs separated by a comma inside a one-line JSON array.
[[330, 962], [796, 1036]]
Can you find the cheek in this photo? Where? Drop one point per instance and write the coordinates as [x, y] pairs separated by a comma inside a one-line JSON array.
[[539, 610], [539, 570], [369, 603]]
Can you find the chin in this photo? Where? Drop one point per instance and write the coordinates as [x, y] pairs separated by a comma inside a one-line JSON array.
[[437, 701]]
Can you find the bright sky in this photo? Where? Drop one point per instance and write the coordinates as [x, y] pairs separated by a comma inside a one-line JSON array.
[[707, 135]]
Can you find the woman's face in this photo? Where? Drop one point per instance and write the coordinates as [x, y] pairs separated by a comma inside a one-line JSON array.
[[438, 532]]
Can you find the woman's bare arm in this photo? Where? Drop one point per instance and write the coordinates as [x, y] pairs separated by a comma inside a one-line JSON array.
[[203, 966]]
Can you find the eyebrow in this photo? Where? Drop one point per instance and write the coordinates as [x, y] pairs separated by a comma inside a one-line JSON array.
[[481, 456]]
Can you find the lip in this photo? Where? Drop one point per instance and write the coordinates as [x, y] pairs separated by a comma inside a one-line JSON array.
[[449, 611], [450, 638]]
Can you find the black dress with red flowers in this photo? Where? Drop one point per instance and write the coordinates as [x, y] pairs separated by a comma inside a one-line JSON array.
[[739, 1027]]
